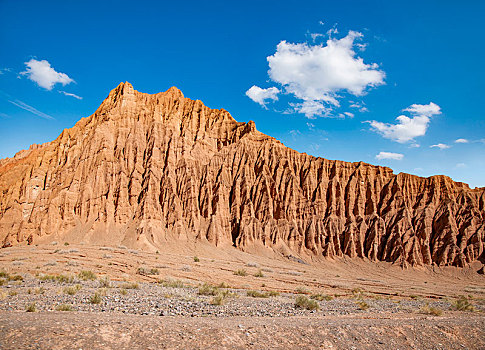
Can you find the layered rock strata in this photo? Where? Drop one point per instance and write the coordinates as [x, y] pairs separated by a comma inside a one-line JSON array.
[[145, 170]]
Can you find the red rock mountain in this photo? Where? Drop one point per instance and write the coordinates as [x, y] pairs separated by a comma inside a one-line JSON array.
[[145, 170]]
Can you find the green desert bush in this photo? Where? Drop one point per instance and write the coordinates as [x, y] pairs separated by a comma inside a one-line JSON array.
[[129, 285], [321, 297], [144, 271], [30, 307], [363, 305], [72, 290], [95, 298], [430, 310], [171, 283], [303, 302], [105, 282], [64, 307], [207, 289], [257, 294], [218, 300], [302, 290], [462, 304], [87, 275], [241, 272], [259, 273]]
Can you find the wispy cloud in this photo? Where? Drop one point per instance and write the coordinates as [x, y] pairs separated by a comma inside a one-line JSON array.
[[389, 155], [441, 146], [70, 94], [30, 109], [3, 115], [461, 141]]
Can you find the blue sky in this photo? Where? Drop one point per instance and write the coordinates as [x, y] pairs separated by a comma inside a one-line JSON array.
[[330, 77]]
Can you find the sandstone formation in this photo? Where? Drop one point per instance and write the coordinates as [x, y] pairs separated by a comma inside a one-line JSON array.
[[145, 170]]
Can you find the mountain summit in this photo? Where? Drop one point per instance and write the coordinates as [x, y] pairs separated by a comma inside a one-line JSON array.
[[150, 170]]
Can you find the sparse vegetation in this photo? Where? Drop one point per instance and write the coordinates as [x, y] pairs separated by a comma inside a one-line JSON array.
[[147, 271], [259, 294], [105, 282], [259, 273], [430, 310], [241, 272], [170, 283], [12, 293], [64, 307], [303, 302], [302, 290], [223, 285], [30, 307], [87, 275], [256, 294], [95, 298], [321, 297], [123, 291], [462, 304], [129, 285], [72, 290], [362, 305], [252, 264], [196, 259], [218, 300], [207, 289]]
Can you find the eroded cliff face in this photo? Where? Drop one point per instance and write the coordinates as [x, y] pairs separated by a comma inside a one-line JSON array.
[[145, 170]]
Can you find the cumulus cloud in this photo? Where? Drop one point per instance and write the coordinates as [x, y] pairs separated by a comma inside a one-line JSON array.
[[440, 146], [461, 141], [70, 94], [426, 110], [30, 109], [260, 95], [408, 128], [389, 155], [44, 75], [316, 74]]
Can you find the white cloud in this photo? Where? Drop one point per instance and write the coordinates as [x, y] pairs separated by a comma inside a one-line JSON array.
[[315, 36], [359, 106], [260, 95], [44, 75], [30, 109], [460, 165], [461, 141], [348, 114], [316, 74], [440, 146], [389, 155], [310, 125], [427, 110], [70, 94], [408, 128]]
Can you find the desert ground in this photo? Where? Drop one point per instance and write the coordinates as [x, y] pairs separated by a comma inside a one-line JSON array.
[[66, 296]]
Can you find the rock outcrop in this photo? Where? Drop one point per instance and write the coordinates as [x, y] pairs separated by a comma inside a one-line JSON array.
[[145, 170]]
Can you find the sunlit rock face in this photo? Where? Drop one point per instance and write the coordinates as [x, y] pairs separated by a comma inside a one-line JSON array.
[[145, 170]]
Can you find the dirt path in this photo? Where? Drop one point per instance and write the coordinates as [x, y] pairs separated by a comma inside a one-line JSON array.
[[76, 330]]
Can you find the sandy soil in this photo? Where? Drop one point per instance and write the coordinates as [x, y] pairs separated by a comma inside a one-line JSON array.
[[57, 330], [160, 316]]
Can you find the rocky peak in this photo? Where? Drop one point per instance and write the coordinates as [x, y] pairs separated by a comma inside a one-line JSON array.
[[146, 170]]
